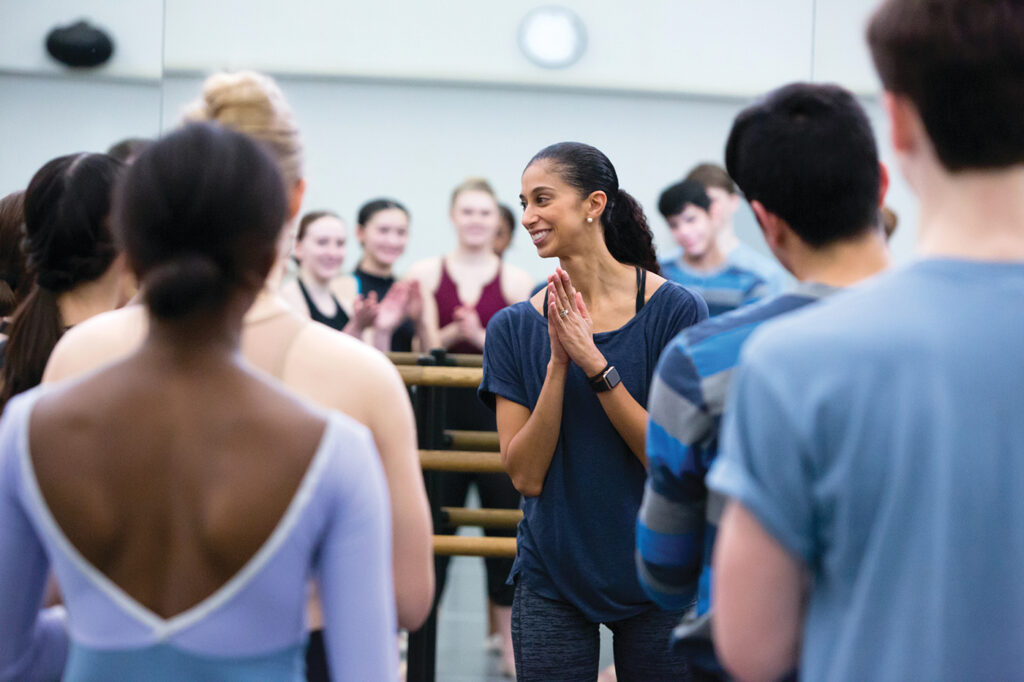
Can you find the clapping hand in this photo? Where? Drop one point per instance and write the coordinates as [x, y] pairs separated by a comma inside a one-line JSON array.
[[470, 328], [364, 311], [392, 310], [572, 325]]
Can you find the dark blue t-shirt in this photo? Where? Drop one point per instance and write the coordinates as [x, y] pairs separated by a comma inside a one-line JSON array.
[[577, 538]]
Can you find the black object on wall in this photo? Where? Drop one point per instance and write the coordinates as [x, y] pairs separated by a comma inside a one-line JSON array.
[[79, 44]]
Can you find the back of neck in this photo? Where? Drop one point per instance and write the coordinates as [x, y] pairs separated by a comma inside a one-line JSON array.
[[977, 215]]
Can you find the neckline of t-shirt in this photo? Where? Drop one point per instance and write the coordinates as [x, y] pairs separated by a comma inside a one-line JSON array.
[[543, 320], [967, 264]]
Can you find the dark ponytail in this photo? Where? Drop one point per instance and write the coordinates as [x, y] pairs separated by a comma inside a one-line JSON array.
[[199, 214], [630, 239], [67, 242], [626, 232], [14, 279]]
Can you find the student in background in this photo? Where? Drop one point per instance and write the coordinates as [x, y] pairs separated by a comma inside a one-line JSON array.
[[805, 157], [872, 446], [71, 257], [14, 279], [724, 203], [396, 307], [506, 230], [320, 252], [703, 266], [467, 288]]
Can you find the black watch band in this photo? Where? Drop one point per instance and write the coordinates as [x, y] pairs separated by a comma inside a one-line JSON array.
[[605, 380]]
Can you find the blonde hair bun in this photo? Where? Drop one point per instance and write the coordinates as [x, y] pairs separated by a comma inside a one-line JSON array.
[[253, 104]]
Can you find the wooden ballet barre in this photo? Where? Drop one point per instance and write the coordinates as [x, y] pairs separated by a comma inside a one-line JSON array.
[[473, 440], [448, 377], [461, 460], [484, 518], [459, 545], [460, 359]]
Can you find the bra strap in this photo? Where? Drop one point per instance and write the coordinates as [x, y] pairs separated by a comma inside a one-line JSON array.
[[641, 287], [545, 303]]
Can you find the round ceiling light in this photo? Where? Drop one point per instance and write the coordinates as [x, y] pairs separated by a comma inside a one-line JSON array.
[[552, 36]]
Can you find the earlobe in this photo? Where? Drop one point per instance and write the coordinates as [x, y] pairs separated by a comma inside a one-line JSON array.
[[596, 203], [883, 183], [295, 203], [769, 224], [903, 121]]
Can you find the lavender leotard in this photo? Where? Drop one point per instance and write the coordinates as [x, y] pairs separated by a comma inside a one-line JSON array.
[[336, 529]]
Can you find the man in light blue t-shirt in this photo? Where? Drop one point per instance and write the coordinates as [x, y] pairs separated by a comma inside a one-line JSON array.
[[873, 448]]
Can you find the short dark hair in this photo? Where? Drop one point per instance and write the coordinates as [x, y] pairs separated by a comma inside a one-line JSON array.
[[806, 152], [961, 63], [675, 198], [712, 175], [586, 169], [199, 214]]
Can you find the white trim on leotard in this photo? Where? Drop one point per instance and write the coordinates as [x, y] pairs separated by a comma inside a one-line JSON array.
[[164, 628]]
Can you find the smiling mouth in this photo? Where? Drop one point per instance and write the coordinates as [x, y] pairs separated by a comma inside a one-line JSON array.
[[539, 235]]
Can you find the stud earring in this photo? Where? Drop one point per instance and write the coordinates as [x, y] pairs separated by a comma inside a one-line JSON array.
[[590, 220]]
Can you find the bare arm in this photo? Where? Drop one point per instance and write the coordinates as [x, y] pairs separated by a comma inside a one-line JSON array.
[[759, 589], [528, 439], [394, 432]]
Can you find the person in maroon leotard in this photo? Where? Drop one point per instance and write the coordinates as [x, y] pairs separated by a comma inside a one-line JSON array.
[[469, 285]]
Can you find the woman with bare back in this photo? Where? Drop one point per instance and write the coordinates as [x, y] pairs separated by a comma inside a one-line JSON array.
[[332, 369], [185, 552]]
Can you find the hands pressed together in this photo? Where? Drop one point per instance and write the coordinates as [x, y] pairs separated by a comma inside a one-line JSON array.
[[570, 326]]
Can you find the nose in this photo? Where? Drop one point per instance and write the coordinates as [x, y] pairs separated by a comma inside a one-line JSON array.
[[528, 218]]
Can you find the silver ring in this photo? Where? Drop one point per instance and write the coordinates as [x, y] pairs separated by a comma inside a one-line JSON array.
[[564, 313]]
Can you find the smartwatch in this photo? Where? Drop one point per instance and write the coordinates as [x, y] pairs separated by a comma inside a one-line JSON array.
[[605, 380]]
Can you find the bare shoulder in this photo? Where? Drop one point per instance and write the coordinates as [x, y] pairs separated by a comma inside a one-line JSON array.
[[427, 271], [292, 295], [516, 283], [345, 288], [340, 372], [98, 341]]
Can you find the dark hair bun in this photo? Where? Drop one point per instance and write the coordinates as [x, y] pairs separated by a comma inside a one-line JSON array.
[[199, 213], [175, 288]]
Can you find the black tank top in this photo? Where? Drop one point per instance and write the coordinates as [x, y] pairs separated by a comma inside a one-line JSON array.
[[340, 318], [402, 338]]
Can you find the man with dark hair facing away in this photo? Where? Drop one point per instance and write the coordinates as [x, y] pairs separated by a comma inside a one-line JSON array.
[[806, 159], [703, 266], [873, 448], [725, 201]]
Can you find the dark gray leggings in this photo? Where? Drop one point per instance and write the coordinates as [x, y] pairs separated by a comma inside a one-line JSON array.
[[554, 641]]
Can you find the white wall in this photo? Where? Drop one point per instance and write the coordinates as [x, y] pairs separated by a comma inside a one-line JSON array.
[[416, 142], [718, 47], [406, 99]]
